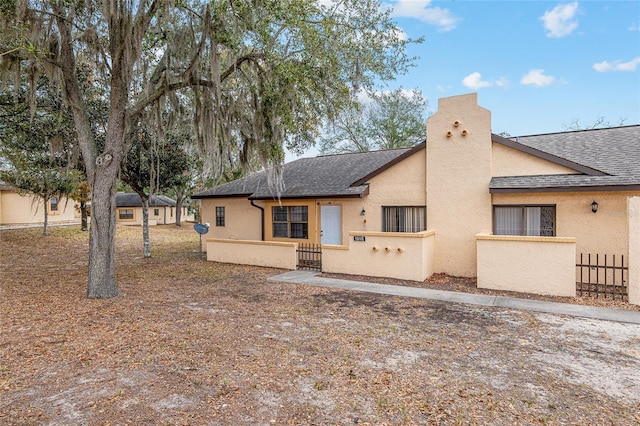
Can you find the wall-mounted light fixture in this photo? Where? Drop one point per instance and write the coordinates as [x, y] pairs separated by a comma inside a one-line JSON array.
[[362, 212], [594, 206]]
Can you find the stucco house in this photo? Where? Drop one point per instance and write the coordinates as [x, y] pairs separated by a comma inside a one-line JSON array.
[[162, 210], [21, 209], [532, 213]]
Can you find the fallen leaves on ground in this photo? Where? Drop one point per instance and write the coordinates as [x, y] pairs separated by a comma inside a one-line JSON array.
[[194, 342]]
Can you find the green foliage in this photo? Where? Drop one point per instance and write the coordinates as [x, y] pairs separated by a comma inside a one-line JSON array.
[[37, 143], [154, 165], [253, 75], [388, 120]]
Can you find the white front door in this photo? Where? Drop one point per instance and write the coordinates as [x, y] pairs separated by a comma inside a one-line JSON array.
[[331, 225]]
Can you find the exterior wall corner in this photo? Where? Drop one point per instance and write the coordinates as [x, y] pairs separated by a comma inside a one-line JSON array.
[[634, 250]]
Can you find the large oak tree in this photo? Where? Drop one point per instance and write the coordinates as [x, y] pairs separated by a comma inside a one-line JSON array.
[[261, 74]]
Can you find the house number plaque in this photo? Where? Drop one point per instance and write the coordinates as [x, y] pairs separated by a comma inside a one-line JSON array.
[[359, 238]]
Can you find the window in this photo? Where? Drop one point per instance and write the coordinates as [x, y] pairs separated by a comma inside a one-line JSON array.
[[156, 212], [290, 221], [125, 214], [219, 216], [404, 219], [53, 203], [524, 220]]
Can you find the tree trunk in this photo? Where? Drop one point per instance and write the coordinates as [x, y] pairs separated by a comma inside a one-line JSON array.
[[83, 215], [46, 217], [179, 200], [102, 234], [145, 227]]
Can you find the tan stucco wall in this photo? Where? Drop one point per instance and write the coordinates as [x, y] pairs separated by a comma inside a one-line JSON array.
[[395, 255], [634, 250], [507, 161], [18, 209], [458, 176], [260, 253], [404, 184], [540, 265], [604, 232], [242, 220]]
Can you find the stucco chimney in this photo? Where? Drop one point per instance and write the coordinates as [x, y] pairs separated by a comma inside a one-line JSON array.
[[458, 175]]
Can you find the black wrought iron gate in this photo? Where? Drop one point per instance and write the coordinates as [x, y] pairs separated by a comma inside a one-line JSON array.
[[309, 257]]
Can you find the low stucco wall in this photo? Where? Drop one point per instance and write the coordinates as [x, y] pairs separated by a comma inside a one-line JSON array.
[[152, 222], [540, 265], [634, 250], [259, 253], [383, 254]]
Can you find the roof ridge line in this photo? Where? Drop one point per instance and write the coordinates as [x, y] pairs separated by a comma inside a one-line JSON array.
[[576, 131]]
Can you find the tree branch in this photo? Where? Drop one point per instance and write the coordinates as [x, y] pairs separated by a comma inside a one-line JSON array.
[[190, 82]]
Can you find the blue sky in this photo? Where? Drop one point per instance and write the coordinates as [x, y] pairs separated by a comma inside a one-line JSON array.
[[538, 66]]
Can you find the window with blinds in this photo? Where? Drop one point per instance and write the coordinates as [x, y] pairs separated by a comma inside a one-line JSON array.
[[404, 219], [536, 221]]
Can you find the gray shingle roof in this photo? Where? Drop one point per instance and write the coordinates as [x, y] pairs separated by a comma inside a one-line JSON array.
[[606, 159], [341, 175], [133, 200]]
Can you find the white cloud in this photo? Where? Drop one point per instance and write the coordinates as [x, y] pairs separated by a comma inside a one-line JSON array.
[[474, 81], [537, 78], [503, 82], [605, 66], [634, 27], [559, 21], [419, 9]]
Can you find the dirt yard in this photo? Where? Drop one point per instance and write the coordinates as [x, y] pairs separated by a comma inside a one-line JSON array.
[[191, 342]]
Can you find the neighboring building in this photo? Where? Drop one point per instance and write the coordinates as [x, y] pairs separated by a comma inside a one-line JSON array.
[[20, 209], [515, 212], [162, 210]]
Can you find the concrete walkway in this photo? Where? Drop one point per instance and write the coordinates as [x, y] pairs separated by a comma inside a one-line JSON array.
[[608, 314]]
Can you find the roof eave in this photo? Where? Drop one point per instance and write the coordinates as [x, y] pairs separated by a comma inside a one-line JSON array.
[[202, 196], [315, 197], [592, 188], [391, 163]]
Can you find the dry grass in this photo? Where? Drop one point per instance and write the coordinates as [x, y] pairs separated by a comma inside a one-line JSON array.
[[195, 342]]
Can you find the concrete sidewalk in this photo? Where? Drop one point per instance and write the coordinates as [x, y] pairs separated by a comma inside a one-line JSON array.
[[608, 314]]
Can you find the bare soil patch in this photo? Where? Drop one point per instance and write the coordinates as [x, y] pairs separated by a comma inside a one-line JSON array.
[[468, 285], [191, 342]]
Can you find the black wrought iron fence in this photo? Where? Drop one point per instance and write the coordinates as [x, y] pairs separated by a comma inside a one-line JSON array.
[[602, 276]]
